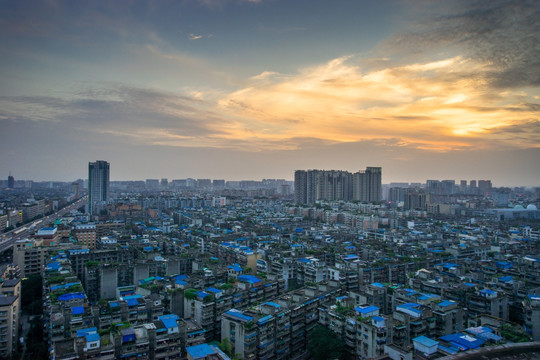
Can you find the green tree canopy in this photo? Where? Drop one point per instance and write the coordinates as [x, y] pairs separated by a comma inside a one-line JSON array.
[[226, 347], [323, 344], [31, 295]]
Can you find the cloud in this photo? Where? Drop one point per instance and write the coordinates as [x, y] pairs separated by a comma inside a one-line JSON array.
[[140, 114], [195, 37], [439, 105], [503, 33]]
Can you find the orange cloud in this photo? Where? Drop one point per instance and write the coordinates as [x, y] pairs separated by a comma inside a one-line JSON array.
[[440, 105]]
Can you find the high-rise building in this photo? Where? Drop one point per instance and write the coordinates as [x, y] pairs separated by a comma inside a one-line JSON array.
[[98, 184], [331, 185], [308, 186], [448, 187], [152, 183], [204, 183], [415, 199], [218, 184], [485, 186], [10, 305], [367, 185], [397, 194], [11, 181], [300, 184]]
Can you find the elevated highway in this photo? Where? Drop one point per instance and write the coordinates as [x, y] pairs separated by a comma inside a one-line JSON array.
[[22, 232]]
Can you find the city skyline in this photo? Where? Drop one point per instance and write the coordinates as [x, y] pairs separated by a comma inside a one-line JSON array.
[[170, 181], [254, 89]]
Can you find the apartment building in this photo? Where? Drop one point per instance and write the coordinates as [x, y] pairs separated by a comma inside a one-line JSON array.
[[86, 235], [10, 307], [30, 256], [531, 305]]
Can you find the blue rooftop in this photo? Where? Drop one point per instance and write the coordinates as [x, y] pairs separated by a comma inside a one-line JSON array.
[[366, 310], [180, 277], [136, 296], [169, 320], [77, 310], [410, 307], [448, 265], [84, 332], [488, 292], [249, 278], [71, 296], [235, 267], [427, 296], [264, 320], [53, 266], [463, 341], [92, 337], [132, 300], [200, 351], [202, 294], [446, 303], [425, 341], [238, 314], [272, 304], [214, 290]]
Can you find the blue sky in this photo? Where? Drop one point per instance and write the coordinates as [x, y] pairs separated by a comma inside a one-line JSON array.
[[241, 89]]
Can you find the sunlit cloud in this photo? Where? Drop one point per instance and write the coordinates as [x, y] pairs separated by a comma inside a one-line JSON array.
[[438, 105], [195, 37]]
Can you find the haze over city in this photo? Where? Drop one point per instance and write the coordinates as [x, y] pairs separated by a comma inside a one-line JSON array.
[[258, 88]]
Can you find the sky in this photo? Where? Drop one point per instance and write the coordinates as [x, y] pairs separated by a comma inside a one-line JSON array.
[[253, 89]]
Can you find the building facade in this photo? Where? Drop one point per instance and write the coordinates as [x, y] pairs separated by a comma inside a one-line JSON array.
[[331, 185], [98, 184]]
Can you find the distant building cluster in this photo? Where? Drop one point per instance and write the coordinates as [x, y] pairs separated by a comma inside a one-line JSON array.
[[280, 186], [331, 185]]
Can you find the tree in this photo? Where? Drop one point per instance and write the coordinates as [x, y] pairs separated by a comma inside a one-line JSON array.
[[323, 344], [514, 334], [226, 347], [31, 295], [36, 348], [190, 294]]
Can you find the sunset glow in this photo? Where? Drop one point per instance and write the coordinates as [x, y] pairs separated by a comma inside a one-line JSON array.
[[233, 78]]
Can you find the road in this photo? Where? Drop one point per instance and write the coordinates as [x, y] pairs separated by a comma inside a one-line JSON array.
[[9, 238]]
